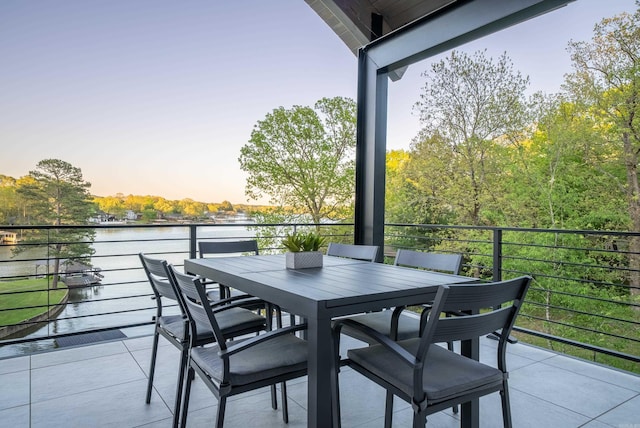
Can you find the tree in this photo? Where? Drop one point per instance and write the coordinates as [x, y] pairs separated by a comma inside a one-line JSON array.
[[303, 158], [57, 195], [418, 183], [561, 176], [191, 208], [226, 206], [10, 207], [606, 81], [394, 185], [166, 207], [111, 205], [473, 103]]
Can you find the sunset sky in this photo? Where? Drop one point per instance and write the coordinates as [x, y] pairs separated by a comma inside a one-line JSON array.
[[156, 97]]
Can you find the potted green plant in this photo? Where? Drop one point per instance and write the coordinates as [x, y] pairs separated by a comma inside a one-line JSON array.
[[303, 250]]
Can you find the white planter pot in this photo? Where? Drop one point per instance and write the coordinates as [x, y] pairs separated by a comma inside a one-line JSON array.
[[304, 260]]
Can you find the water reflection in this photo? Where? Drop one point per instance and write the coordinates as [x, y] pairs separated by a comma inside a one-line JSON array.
[[124, 296]]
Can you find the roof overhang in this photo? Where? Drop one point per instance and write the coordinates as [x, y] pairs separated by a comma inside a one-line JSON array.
[[358, 22], [397, 33]]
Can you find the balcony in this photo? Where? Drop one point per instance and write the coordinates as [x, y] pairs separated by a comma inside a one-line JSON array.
[[45, 383]]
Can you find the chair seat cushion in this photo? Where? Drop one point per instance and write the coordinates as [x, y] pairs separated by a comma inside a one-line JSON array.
[[235, 321], [447, 375], [238, 321], [269, 359], [408, 326], [174, 325]]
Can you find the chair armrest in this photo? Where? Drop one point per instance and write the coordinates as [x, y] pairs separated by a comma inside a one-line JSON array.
[[253, 301], [245, 344], [395, 320], [233, 299], [404, 355]]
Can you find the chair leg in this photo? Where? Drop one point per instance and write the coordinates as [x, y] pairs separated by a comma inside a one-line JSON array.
[[269, 315], [285, 404], [152, 366], [388, 410], [506, 405], [222, 404], [181, 370], [335, 400], [187, 394], [274, 398], [450, 348], [419, 420], [278, 317]]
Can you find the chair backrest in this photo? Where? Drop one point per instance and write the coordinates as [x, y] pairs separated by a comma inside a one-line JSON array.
[[192, 293], [157, 275], [449, 263], [227, 247], [500, 301], [357, 252]]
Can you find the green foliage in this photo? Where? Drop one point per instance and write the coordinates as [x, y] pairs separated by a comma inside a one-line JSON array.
[[226, 206], [470, 108], [606, 86], [296, 242], [303, 158], [149, 214], [56, 194], [10, 202], [273, 225], [580, 289]]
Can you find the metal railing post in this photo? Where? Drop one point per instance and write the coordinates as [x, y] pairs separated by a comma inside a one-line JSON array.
[[497, 254], [192, 241]]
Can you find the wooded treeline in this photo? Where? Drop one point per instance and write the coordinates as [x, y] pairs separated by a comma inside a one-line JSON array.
[[15, 209], [490, 155]]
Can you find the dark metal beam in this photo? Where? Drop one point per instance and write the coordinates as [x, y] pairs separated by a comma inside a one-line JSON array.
[[453, 26], [446, 29]]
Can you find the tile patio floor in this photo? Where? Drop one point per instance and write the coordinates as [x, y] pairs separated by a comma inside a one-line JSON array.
[[103, 385]]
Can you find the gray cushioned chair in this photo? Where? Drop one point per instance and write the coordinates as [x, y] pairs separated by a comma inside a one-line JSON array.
[[389, 322], [175, 328], [207, 248], [246, 246], [230, 368], [430, 377], [351, 251]]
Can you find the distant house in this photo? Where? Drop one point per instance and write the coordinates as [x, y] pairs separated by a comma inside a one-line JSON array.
[[8, 237], [131, 215]]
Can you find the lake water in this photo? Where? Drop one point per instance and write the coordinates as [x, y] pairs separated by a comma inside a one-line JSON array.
[[123, 297]]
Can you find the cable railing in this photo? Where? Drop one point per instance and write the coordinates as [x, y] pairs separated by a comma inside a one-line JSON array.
[[582, 301], [112, 294]]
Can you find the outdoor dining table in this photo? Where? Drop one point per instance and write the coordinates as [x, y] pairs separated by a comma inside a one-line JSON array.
[[341, 287]]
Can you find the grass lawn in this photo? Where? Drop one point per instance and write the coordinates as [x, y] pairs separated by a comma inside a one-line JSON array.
[[35, 294]]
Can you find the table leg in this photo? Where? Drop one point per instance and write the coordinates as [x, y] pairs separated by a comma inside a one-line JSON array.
[[320, 369], [470, 412]]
